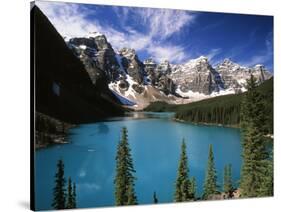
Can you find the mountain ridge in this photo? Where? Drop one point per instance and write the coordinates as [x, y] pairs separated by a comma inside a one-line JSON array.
[[146, 81]]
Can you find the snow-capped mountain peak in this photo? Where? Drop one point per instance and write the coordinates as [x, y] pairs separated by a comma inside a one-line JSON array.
[[144, 81]]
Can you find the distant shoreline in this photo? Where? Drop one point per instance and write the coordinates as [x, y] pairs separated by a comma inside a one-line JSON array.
[[205, 123]]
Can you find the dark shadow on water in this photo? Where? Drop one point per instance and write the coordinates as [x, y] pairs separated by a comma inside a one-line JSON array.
[[24, 204], [103, 128]]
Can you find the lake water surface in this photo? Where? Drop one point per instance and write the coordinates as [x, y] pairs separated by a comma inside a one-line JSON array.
[[155, 141]]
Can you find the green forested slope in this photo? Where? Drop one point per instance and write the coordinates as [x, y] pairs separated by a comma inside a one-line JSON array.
[[223, 110]]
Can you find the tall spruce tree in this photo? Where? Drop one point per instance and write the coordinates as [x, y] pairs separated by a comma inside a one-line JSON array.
[[69, 202], [255, 156], [124, 179], [182, 181], [192, 188], [266, 188], [132, 199], [227, 181], [59, 189], [74, 196], [210, 184]]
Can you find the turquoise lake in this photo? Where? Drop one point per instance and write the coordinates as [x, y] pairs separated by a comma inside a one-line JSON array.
[[155, 141]]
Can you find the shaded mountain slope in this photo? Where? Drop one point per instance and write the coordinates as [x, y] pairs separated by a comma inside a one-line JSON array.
[[63, 88]]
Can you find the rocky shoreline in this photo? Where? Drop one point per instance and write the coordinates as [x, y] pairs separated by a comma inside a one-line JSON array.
[[54, 140], [50, 131]]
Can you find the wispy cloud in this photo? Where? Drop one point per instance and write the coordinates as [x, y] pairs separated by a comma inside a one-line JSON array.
[[212, 55], [69, 19], [164, 23], [158, 24], [264, 56], [161, 53]]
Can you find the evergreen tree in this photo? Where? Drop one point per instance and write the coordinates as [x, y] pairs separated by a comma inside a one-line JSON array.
[[182, 181], [210, 185], [132, 199], [69, 203], [59, 189], [192, 188], [74, 196], [255, 156], [266, 188], [155, 199], [124, 179], [227, 181]]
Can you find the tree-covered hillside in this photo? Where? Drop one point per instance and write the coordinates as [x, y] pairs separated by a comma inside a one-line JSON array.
[[224, 110]]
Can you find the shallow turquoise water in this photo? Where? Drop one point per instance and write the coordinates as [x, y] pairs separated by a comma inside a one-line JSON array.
[[155, 142]]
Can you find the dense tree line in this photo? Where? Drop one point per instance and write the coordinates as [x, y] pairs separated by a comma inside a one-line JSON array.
[[224, 110], [212, 113]]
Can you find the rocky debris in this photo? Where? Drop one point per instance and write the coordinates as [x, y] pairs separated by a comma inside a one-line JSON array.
[[138, 88], [236, 193]]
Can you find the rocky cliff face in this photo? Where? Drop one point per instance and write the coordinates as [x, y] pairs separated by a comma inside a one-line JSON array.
[[98, 57], [129, 77], [132, 65], [197, 76]]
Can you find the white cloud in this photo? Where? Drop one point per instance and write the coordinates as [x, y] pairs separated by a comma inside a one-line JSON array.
[[175, 54], [164, 22], [71, 20]]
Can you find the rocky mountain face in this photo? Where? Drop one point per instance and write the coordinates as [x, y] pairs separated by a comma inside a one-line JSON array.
[[197, 76], [234, 76], [143, 82]]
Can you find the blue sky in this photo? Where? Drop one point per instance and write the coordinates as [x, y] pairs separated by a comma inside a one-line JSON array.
[[176, 35]]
